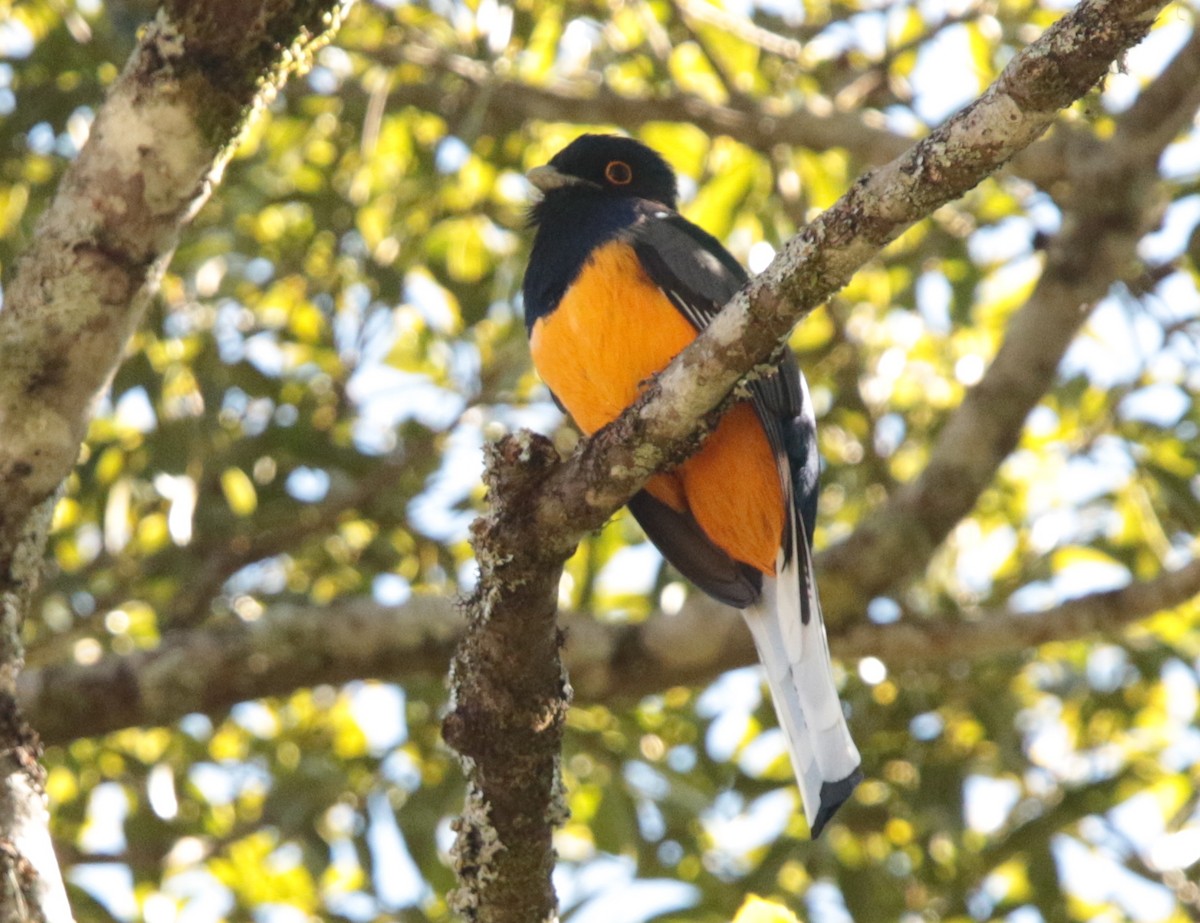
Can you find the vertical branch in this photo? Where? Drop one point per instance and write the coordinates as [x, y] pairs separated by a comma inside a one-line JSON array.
[[156, 151], [31, 886], [510, 697]]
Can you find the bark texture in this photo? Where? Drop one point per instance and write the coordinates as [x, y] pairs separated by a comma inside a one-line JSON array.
[[156, 150], [509, 700]]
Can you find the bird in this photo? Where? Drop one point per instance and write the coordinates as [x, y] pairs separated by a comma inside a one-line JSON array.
[[618, 283]]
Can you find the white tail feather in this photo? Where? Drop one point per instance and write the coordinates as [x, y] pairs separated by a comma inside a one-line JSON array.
[[800, 676]]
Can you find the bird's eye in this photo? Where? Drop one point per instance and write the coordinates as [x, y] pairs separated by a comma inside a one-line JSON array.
[[618, 173]]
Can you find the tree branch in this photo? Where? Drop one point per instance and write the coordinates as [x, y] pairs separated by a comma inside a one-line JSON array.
[[816, 125], [156, 150], [742, 27], [1115, 199], [291, 648]]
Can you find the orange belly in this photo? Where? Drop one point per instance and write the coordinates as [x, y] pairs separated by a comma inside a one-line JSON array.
[[613, 329]]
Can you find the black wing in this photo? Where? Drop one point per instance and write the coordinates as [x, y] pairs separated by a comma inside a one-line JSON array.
[[682, 542], [700, 276]]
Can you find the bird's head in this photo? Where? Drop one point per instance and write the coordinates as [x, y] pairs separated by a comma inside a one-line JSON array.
[[613, 165]]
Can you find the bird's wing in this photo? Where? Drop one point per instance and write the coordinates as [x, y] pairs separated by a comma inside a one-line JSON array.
[[699, 276]]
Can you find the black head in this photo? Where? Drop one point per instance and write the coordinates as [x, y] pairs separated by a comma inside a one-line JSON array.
[[620, 167]]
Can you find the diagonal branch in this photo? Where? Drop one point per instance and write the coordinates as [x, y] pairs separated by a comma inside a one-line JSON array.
[[1064, 63], [508, 702]]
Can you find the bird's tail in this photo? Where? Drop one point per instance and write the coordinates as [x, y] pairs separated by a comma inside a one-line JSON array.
[[790, 636]]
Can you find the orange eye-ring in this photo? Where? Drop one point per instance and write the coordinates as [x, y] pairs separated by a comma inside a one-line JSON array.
[[618, 173]]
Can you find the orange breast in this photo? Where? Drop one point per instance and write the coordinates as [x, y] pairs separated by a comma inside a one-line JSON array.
[[613, 329]]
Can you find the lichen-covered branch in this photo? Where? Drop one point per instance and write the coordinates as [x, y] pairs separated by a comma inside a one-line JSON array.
[[543, 507], [509, 697], [157, 146], [156, 150]]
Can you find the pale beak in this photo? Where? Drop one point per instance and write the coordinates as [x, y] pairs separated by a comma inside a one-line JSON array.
[[546, 178]]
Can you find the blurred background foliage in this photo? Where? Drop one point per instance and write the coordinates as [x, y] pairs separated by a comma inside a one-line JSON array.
[[299, 421]]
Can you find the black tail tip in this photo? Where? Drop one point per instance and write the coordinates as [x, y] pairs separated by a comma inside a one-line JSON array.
[[833, 796]]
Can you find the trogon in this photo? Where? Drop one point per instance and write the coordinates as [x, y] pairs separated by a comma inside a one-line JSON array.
[[619, 283]]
